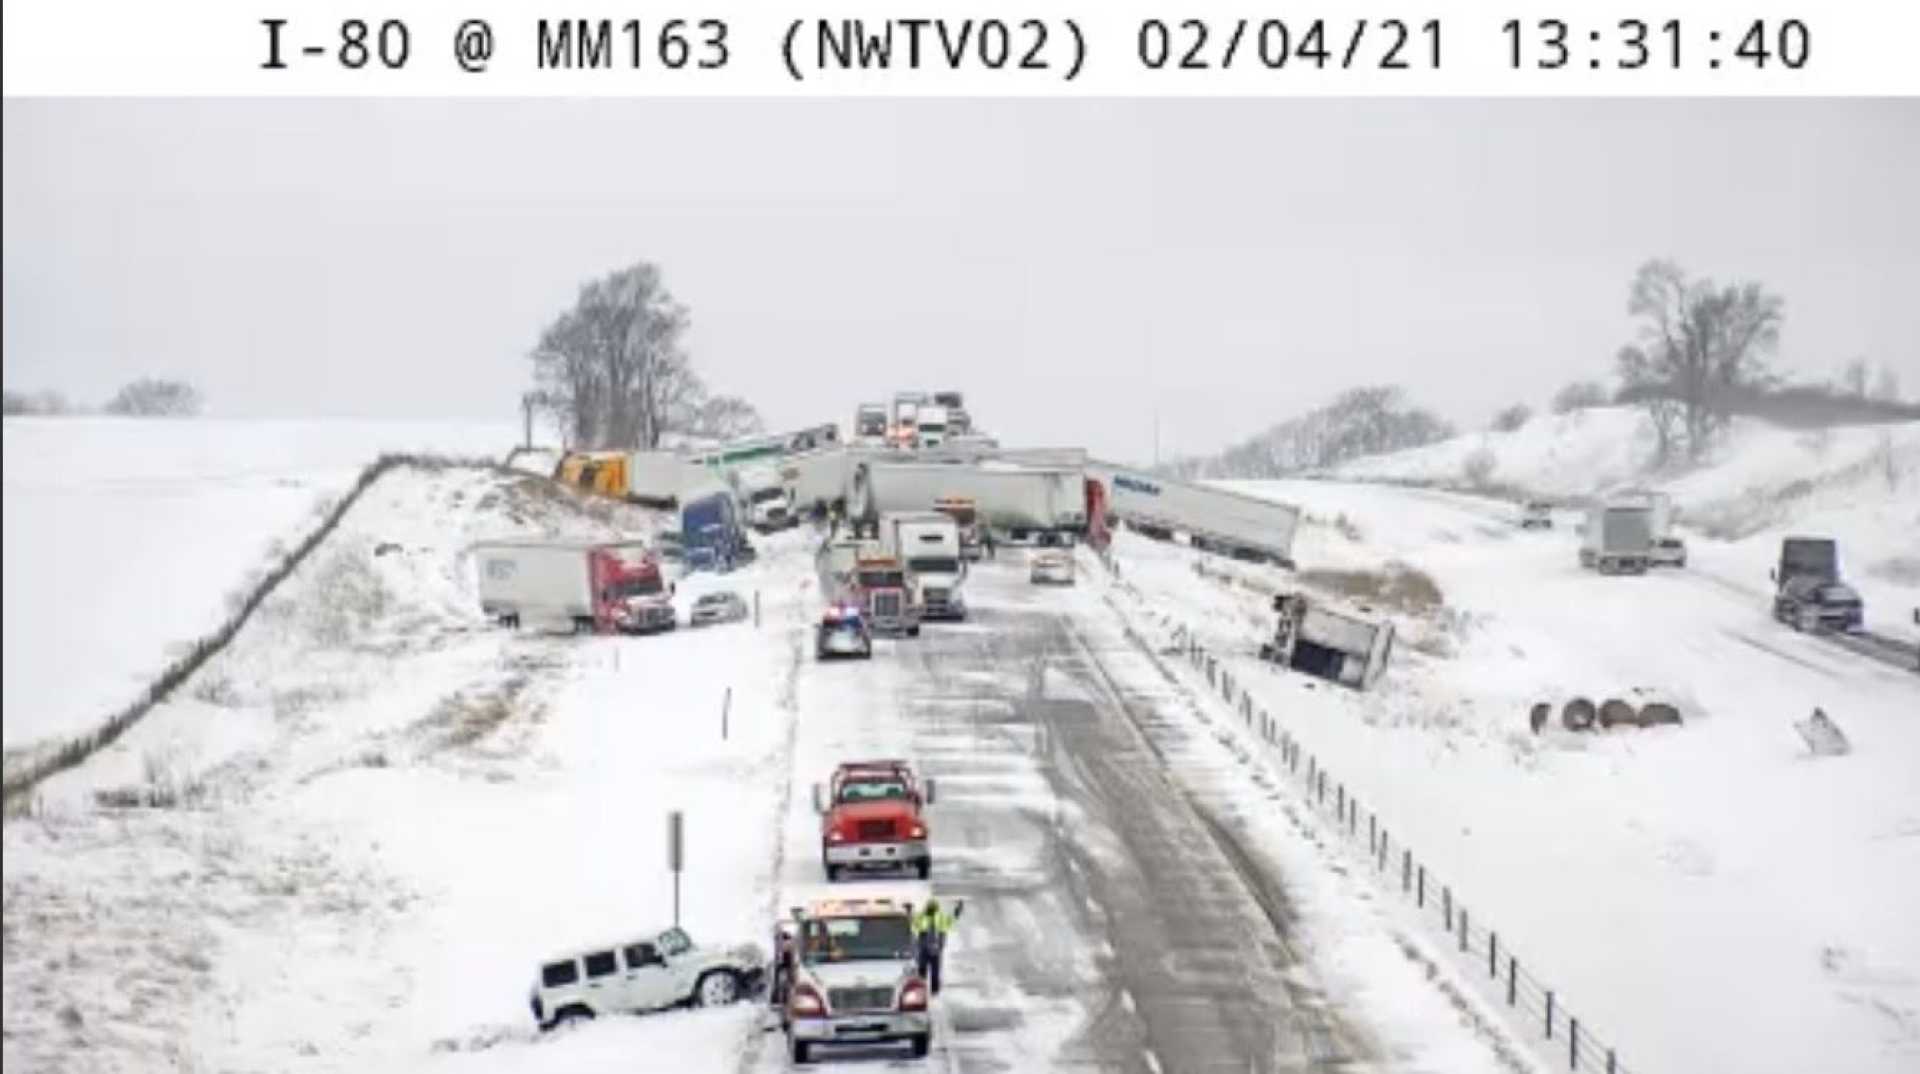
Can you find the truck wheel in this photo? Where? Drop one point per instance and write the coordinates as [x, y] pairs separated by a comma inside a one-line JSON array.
[[913, 631], [1805, 619], [799, 1050], [923, 868], [833, 873], [921, 1043]]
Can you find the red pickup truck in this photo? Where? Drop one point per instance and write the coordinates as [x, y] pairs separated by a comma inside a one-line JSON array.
[[872, 817]]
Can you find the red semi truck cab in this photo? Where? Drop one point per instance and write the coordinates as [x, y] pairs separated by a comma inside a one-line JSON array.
[[631, 595], [882, 590], [872, 817]]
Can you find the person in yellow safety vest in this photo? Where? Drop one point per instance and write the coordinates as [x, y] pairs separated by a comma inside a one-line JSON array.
[[930, 927]]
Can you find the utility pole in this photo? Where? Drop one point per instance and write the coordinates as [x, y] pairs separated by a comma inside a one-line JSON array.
[[527, 402]]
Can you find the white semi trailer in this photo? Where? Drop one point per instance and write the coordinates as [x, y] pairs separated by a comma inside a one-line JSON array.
[[1214, 519], [1015, 501]]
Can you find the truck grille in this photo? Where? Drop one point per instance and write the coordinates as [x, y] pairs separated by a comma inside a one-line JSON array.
[[876, 829], [849, 1000], [886, 605]]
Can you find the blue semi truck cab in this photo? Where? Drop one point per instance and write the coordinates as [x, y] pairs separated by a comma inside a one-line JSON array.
[[711, 531]]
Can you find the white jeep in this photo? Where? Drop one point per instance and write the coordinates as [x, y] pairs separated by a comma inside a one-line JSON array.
[[849, 977], [664, 969]]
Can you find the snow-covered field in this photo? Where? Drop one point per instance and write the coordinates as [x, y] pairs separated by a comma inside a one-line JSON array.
[[123, 538], [1708, 896], [1859, 484], [378, 812]]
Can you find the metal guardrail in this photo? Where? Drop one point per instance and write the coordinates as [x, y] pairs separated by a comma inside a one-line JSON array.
[[1474, 940]]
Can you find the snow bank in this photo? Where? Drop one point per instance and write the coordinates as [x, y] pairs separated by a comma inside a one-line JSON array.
[[123, 538], [382, 811]]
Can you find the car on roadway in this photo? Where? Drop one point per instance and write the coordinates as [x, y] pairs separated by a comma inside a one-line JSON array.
[[1809, 602], [851, 978], [722, 607], [1536, 514], [843, 631], [1051, 567], [653, 971], [1667, 552]]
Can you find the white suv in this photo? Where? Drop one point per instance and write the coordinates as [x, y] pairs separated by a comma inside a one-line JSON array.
[[665, 969], [848, 977]]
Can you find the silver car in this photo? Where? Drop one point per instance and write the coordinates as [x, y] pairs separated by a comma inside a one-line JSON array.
[[711, 608]]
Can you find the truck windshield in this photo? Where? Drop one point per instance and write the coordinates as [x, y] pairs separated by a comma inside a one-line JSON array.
[[1808, 557], [766, 495], [873, 425], [934, 565], [882, 579], [873, 790], [856, 939], [646, 585]]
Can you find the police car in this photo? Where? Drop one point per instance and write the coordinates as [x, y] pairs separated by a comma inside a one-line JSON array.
[[843, 631]]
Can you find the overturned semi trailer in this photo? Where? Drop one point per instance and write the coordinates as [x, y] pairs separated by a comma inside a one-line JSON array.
[[1327, 642]]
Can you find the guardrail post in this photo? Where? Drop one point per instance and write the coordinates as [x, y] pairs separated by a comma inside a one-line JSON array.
[[1420, 899], [1373, 823], [1513, 980], [1341, 801], [1493, 954], [1464, 934], [1446, 906], [1383, 848], [1610, 1064], [1406, 869], [1549, 1014], [1573, 1044]]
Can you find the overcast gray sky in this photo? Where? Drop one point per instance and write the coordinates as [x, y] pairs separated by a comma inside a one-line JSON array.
[[1075, 266]]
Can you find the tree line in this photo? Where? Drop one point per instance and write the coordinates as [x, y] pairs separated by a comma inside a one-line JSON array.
[[148, 397]]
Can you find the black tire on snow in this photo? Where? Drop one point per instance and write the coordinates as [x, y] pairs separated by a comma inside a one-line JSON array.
[[923, 868], [1615, 711], [833, 872], [1538, 717], [1577, 715], [921, 1044], [799, 1051]]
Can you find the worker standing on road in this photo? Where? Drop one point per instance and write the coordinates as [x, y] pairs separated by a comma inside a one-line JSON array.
[[930, 928], [986, 538]]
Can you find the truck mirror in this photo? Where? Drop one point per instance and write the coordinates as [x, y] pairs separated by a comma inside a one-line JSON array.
[[819, 800], [929, 792]]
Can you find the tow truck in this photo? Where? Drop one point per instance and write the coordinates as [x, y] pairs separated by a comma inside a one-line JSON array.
[[846, 975], [871, 818]]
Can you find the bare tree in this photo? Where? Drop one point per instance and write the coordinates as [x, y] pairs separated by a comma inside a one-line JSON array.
[[1640, 383], [1697, 342], [152, 397], [614, 369], [1512, 418], [1580, 395]]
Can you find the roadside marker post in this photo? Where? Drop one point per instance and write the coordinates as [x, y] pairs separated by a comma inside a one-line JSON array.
[[676, 857], [726, 710]]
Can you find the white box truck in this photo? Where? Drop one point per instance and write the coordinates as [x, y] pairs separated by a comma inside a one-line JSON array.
[[1617, 537], [928, 544], [1214, 519], [581, 585]]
